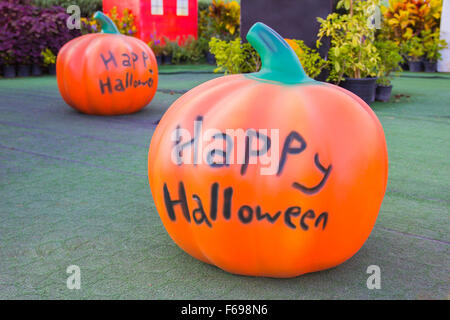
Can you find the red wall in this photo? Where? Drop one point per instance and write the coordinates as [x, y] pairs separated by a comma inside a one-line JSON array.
[[169, 24]]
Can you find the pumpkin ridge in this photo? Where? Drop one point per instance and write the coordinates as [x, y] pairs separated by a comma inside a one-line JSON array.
[[82, 44], [93, 49]]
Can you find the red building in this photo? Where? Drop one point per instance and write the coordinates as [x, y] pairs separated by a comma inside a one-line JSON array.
[[169, 18]]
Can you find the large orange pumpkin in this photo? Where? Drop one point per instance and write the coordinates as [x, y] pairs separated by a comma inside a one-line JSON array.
[[107, 73], [317, 202]]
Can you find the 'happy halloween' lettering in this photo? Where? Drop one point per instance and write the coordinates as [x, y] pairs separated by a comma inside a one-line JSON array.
[[128, 60]]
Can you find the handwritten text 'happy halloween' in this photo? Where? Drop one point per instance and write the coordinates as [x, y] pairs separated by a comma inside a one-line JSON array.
[[127, 61], [254, 144]]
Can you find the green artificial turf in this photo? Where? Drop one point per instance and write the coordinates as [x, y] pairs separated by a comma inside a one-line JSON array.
[[74, 191]]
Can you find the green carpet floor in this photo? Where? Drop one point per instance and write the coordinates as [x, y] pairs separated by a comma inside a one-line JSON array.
[[74, 191]]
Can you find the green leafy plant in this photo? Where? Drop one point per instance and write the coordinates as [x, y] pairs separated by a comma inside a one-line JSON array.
[[48, 56], [192, 51], [205, 26], [432, 45], [414, 49], [234, 56], [7, 57], [352, 52], [156, 45], [225, 18], [170, 46], [390, 58]]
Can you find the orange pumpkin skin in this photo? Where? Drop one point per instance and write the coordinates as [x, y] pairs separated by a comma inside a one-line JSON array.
[[340, 132], [106, 74]]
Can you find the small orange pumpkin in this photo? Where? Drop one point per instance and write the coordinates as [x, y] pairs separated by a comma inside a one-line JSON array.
[[317, 202], [106, 73]]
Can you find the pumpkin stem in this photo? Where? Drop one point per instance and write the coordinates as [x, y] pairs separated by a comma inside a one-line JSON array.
[[279, 61], [108, 26]]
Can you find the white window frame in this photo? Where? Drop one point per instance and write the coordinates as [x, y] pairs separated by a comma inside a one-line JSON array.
[[157, 7], [182, 7]]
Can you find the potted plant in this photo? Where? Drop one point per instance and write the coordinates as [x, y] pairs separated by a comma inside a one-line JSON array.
[[49, 60], [168, 49], [36, 59], [415, 53], [432, 44], [7, 58], [8, 64], [353, 57], [390, 59], [23, 43], [157, 48], [191, 51], [24, 64]]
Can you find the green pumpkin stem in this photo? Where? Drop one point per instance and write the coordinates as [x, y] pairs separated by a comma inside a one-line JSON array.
[[279, 61], [108, 26]]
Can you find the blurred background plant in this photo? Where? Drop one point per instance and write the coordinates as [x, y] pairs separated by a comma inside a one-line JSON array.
[[432, 44], [87, 7], [26, 30], [234, 57], [89, 25], [225, 19], [125, 22], [156, 45], [48, 56], [408, 19], [413, 48], [190, 52], [390, 59]]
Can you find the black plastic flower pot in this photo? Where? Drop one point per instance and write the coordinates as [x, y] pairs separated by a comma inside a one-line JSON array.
[[159, 60], [415, 66], [363, 88], [383, 93], [36, 70], [167, 59], [404, 66], [430, 66], [9, 71], [23, 70], [52, 69], [210, 58]]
